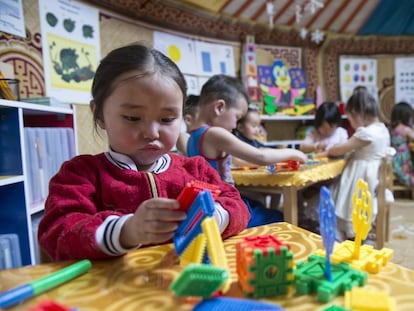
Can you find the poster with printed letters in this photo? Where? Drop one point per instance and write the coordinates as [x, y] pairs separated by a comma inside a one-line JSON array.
[[71, 49]]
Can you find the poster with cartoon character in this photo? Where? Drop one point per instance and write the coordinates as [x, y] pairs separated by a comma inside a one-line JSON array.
[[71, 49], [282, 87]]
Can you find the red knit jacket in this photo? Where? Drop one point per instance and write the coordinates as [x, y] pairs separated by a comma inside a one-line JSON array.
[[89, 188]]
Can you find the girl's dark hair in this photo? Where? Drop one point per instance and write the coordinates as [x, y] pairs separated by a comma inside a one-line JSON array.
[[223, 87], [363, 103], [329, 112], [144, 59], [191, 104], [402, 112]]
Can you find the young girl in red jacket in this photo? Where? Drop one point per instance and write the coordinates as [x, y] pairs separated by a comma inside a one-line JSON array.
[[107, 204]]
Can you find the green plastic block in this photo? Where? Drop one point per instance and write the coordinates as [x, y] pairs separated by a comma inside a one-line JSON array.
[[199, 280], [310, 278]]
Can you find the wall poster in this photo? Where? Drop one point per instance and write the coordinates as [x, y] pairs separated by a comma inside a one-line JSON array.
[[198, 60], [71, 48], [357, 71], [404, 80]]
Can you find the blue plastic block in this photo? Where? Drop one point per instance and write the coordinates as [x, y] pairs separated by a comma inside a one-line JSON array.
[[235, 304]]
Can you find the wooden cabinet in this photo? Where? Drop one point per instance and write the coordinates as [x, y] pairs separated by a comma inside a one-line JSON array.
[[17, 210]]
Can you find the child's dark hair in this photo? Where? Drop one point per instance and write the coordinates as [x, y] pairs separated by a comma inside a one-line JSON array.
[[402, 112], [223, 87], [363, 103], [191, 104], [251, 108], [144, 59], [329, 112]]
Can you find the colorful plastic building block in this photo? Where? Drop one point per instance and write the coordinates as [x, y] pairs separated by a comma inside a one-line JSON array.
[[363, 257], [362, 299], [361, 214], [264, 266], [370, 259], [199, 281], [310, 278], [335, 308], [192, 189], [234, 304], [197, 238], [327, 220]]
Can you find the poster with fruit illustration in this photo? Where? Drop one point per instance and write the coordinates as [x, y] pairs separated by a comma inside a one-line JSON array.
[[71, 48], [357, 71]]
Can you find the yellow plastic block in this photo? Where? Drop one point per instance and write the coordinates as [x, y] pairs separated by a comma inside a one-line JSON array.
[[195, 251], [215, 247], [361, 299], [370, 259]]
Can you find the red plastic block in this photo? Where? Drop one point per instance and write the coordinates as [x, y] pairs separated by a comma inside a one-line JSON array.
[[192, 189]]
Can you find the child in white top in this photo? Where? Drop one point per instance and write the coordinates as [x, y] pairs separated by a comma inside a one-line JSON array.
[[327, 131], [365, 148]]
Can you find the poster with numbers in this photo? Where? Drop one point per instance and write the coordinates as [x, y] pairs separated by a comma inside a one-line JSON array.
[[214, 59], [404, 80], [180, 49], [357, 71]]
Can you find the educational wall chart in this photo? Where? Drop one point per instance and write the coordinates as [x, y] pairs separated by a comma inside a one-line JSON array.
[[198, 60], [356, 71], [71, 48], [404, 80]]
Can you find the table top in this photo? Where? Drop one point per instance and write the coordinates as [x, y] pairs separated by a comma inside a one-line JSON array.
[[140, 279], [306, 174]]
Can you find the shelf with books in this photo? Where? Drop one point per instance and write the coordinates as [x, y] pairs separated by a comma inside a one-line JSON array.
[[24, 127]]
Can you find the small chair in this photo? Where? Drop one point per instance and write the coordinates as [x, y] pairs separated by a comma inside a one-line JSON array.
[[398, 186], [382, 223]]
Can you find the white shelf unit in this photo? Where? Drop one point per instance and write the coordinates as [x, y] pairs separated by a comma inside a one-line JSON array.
[[16, 213]]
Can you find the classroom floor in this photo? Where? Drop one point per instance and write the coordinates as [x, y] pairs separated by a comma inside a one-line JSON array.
[[402, 232]]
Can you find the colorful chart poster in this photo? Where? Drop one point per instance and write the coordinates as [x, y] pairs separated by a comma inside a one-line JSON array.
[[71, 48], [12, 18], [404, 80], [214, 59], [181, 50], [357, 71]]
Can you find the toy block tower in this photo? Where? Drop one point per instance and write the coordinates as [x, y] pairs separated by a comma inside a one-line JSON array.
[[264, 266]]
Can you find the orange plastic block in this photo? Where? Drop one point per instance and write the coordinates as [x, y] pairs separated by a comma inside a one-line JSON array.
[[370, 259], [264, 266], [360, 299]]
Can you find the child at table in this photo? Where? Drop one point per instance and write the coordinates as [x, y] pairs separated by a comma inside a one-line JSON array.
[[107, 204], [190, 113], [249, 126], [369, 143], [401, 134], [327, 130], [326, 133], [223, 101]]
